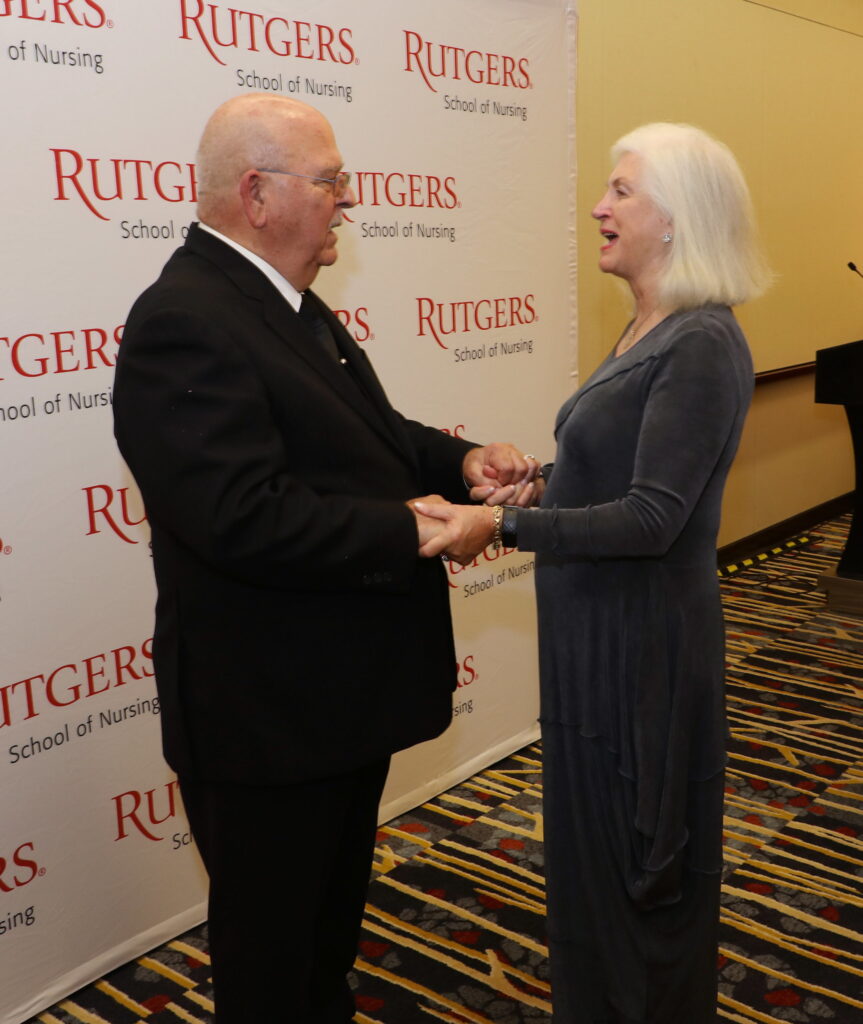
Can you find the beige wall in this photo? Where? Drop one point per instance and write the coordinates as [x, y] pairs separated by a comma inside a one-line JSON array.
[[785, 93]]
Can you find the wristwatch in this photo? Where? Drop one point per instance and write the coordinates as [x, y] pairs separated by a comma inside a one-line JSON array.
[[509, 526]]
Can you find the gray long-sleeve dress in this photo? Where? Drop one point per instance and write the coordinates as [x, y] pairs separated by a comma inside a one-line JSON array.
[[632, 672]]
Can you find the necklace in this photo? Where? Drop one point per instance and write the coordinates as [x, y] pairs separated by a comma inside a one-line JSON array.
[[629, 338]]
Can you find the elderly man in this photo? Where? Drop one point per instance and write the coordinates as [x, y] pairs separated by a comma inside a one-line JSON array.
[[299, 640]]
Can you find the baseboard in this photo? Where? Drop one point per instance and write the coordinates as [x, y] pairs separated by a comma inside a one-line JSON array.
[[803, 521]]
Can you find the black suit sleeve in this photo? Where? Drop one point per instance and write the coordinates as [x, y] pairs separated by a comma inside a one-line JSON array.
[[196, 424]]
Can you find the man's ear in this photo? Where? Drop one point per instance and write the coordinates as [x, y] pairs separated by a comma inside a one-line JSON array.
[[251, 190]]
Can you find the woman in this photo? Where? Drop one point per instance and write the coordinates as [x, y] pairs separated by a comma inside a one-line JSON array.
[[630, 622]]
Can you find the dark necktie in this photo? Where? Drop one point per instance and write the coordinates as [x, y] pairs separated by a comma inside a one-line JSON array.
[[311, 315]]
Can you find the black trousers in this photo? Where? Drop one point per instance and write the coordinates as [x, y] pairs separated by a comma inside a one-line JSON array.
[[289, 868]]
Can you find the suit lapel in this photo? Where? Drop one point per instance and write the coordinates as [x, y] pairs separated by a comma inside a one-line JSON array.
[[282, 319]]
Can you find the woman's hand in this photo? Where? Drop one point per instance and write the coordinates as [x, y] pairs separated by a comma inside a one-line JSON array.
[[467, 529], [499, 474]]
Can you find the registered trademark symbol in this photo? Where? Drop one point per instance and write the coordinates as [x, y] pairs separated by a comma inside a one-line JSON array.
[[43, 871], [7, 550], [371, 337], [356, 60], [459, 204], [109, 23]]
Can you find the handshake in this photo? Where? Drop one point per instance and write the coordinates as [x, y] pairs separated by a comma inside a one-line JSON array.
[[496, 474]]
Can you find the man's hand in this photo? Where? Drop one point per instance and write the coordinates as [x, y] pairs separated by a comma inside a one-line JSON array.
[[464, 530], [427, 528], [498, 474]]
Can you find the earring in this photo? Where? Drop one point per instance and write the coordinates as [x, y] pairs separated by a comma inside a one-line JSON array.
[[666, 237]]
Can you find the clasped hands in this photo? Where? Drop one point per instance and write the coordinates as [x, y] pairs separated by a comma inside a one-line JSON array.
[[496, 474]]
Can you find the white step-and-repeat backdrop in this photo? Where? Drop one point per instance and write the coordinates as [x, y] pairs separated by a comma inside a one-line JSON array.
[[455, 274]]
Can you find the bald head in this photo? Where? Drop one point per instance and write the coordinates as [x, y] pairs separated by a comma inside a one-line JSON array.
[[267, 169], [253, 130]]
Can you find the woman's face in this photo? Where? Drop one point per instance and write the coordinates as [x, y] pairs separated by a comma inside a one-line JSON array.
[[631, 226]]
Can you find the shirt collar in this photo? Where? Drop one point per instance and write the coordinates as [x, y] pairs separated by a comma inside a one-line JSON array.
[[282, 284]]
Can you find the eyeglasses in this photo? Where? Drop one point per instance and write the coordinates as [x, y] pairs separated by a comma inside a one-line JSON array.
[[340, 182]]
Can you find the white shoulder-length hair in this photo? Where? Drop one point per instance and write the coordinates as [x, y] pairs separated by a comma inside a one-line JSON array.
[[695, 181]]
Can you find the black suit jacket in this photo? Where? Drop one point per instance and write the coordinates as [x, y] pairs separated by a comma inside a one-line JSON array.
[[297, 632]]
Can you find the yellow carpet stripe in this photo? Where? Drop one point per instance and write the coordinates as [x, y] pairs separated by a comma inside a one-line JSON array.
[[789, 911], [799, 939], [473, 805], [751, 1013], [797, 771], [385, 860], [506, 777], [835, 745], [743, 684], [394, 979], [79, 1013], [197, 997], [447, 1018], [49, 1018], [529, 833], [166, 972], [467, 915], [445, 812], [441, 940], [120, 997], [201, 955], [823, 869], [486, 785], [828, 833], [511, 869], [822, 801], [789, 979], [734, 773], [783, 872], [184, 1015], [777, 938], [757, 808], [495, 977], [501, 877], [389, 830], [515, 901], [500, 890], [798, 885]]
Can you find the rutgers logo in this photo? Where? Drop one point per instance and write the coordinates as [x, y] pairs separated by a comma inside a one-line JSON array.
[[110, 507], [95, 180], [438, 60], [403, 189], [440, 319], [35, 355], [19, 869], [355, 322], [489, 554], [228, 28], [143, 812], [83, 13], [466, 673]]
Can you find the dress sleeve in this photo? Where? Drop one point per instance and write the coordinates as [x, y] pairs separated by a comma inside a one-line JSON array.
[[690, 412]]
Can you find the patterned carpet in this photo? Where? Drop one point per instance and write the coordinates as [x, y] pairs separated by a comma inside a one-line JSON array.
[[454, 927]]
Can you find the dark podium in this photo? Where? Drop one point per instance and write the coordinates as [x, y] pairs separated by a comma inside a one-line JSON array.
[[839, 381]]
